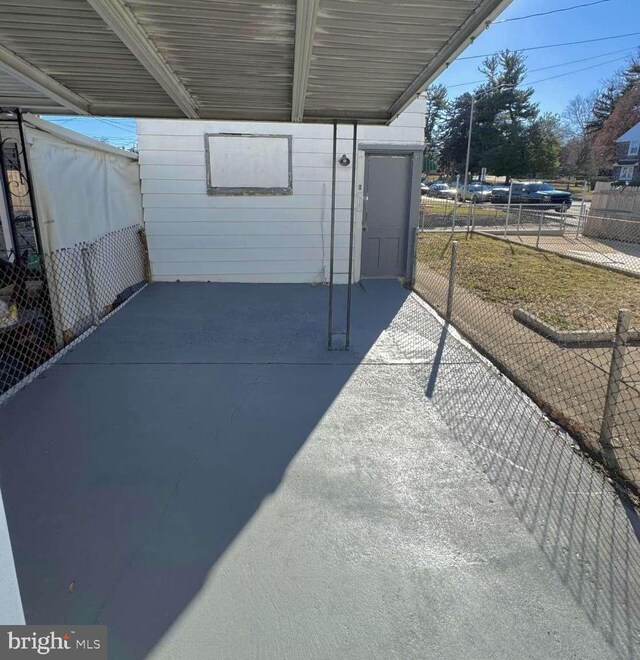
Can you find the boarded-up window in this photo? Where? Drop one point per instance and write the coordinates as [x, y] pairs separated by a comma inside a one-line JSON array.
[[248, 164]]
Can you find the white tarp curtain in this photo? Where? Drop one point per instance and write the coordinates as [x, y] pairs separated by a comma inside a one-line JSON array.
[[82, 194]]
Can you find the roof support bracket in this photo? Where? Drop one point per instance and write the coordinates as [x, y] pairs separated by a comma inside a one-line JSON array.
[[30, 75], [306, 16], [127, 28]]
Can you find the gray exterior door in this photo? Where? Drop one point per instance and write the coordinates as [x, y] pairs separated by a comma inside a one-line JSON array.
[[386, 215]]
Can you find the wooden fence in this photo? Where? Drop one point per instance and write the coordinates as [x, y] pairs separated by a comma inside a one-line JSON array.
[[609, 203]]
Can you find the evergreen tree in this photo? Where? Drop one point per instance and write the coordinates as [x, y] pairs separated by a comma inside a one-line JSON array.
[[544, 145], [605, 104], [504, 114], [455, 134], [436, 108]]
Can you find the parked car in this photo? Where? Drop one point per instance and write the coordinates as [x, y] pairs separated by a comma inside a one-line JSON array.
[[533, 192], [442, 191], [476, 192], [424, 188]]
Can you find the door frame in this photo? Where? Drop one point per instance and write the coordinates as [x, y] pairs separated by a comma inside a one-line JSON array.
[[415, 152]]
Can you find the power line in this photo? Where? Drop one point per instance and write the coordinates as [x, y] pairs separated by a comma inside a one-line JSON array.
[[555, 66], [109, 122], [566, 43], [568, 73], [112, 123], [547, 13]]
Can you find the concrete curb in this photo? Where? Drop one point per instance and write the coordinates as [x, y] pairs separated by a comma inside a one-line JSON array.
[[571, 338]]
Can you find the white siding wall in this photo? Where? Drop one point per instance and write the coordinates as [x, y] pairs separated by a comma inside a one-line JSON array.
[[195, 236]]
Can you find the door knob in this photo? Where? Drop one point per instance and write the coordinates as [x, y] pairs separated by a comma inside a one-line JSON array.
[[364, 227]]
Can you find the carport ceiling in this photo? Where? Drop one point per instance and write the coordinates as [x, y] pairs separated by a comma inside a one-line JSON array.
[[271, 60]]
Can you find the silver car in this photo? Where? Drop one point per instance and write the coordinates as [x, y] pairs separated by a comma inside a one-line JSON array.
[[476, 192], [441, 190]]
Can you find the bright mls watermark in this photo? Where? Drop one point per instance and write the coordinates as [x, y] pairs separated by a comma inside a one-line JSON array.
[[54, 642]]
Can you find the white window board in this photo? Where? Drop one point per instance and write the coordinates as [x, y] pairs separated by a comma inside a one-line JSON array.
[[248, 164]]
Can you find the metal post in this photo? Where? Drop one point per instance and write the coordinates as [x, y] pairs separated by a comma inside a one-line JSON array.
[[466, 167], [17, 257], [583, 208], [32, 194], [454, 215], [354, 154], [613, 386], [506, 220], [333, 232], [473, 218], [539, 231], [88, 276], [519, 217], [470, 215], [452, 279]]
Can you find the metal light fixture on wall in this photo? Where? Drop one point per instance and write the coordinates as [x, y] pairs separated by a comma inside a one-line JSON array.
[[344, 160]]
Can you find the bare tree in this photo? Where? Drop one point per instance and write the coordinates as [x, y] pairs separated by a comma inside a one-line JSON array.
[[578, 114]]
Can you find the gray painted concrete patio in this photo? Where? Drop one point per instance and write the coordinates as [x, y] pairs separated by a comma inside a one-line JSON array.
[[202, 476]]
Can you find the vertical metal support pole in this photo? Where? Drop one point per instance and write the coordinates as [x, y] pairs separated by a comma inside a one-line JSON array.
[[539, 230], [354, 155], [470, 215], [32, 194], [452, 279], [454, 215], [519, 217], [17, 257], [466, 166], [506, 220], [613, 386], [88, 276], [333, 233]]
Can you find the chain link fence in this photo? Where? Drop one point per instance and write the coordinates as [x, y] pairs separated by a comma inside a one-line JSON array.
[[46, 302], [544, 296]]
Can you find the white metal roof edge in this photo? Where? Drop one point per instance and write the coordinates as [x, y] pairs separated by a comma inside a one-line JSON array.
[[632, 134], [76, 138], [475, 24]]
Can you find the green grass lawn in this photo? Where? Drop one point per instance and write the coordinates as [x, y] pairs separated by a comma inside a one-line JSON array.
[[564, 293]]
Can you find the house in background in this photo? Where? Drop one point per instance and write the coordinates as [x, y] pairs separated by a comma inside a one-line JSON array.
[[627, 167], [251, 202]]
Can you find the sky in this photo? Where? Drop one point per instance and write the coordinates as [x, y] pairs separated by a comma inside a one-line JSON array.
[[613, 17], [604, 19]]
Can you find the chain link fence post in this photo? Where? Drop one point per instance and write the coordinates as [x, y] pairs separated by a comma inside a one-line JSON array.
[[539, 231], [452, 279], [583, 209], [613, 386], [472, 219], [85, 251], [454, 215]]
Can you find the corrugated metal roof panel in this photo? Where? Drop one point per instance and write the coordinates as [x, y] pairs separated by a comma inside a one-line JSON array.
[[228, 59], [14, 93], [372, 50], [230, 55], [68, 41]]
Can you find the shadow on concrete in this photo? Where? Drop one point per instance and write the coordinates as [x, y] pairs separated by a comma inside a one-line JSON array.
[[129, 468], [586, 532]]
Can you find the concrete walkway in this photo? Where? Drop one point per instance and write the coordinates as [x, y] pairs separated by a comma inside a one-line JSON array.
[[202, 476]]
